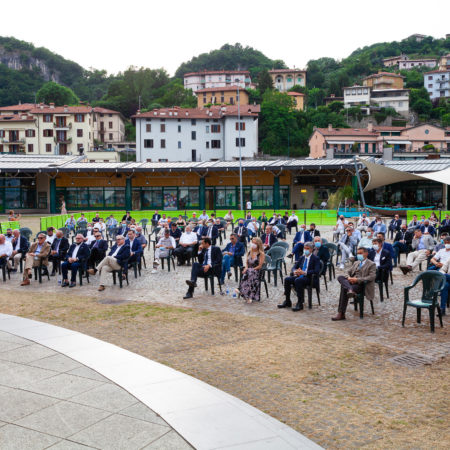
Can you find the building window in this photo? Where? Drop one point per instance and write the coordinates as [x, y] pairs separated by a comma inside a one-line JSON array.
[[242, 142], [430, 77], [110, 136], [110, 125], [2, 133], [179, 128], [430, 86], [240, 125], [193, 121], [204, 99], [215, 128], [193, 135], [148, 127], [222, 99], [47, 117], [47, 133], [207, 144], [162, 127], [215, 144], [79, 118], [289, 80], [30, 148], [207, 129], [48, 148], [231, 100], [80, 132], [163, 160], [30, 133], [179, 144], [163, 143], [148, 143]]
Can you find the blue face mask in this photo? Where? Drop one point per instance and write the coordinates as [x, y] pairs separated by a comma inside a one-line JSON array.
[[307, 252], [317, 244], [360, 257], [442, 241]]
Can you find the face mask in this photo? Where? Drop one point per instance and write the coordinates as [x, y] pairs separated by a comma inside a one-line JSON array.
[[210, 225], [360, 257], [89, 228], [317, 244], [375, 247], [188, 232], [404, 230], [378, 222], [254, 246], [307, 252], [442, 241], [9, 234], [303, 228], [447, 246]]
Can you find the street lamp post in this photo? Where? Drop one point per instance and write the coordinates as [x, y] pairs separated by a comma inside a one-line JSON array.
[[241, 193]]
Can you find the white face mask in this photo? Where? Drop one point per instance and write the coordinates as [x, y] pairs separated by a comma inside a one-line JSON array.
[[254, 246], [375, 247], [447, 246]]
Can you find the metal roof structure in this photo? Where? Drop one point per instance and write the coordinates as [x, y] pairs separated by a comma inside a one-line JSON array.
[[52, 163]]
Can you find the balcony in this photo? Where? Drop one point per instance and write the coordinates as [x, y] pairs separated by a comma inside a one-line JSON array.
[[12, 141], [65, 140], [61, 126]]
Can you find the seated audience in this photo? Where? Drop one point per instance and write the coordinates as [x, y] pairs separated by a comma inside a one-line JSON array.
[[268, 238], [141, 238], [209, 262], [127, 217], [445, 225], [445, 269], [395, 224], [252, 229], [135, 247], [81, 221], [117, 259], [427, 228], [9, 235], [232, 254], [98, 249], [37, 255], [211, 231], [156, 218], [111, 224], [313, 231], [175, 232], [50, 235], [363, 223], [186, 248], [366, 241], [5, 251], [240, 231], [339, 228], [20, 247], [382, 259], [413, 224], [181, 222], [58, 250], [163, 248], [70, 223], [442, 256], [378, 226], [402, 242], [301, 276], [322, 252], [264, 221], [77, 254], [422, 244], [348, 245], [229, 218], [96, 219], [163, 220], [203, 215], [292, 222], [362, 270], [250, 286]]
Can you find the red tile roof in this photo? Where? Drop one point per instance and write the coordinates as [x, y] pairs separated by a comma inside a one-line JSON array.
[[286, 70], [382, 74], [219, 89], [296, 94], [438, 71], [20, 107], [346, 132], [97, 109], [16, 118], [218, 72], [62, 110]]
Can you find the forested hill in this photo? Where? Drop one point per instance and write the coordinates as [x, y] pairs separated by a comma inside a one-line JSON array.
[[230, 57]]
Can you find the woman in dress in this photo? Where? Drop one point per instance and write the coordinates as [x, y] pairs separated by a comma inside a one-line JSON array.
[[229, 218], [433, 219], [249, 287], [63, 206]]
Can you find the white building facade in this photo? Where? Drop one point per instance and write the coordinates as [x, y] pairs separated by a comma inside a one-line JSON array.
[[216, 79], [356, 96], [437, 83], [414, 63], [210, 134]]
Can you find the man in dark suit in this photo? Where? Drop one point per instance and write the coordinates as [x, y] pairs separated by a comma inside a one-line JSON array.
[[386, 245], [322, 252], [209, 261], [155, 218], [98, 249], [20, 247], [123, 228], [127, 217], [135, 247], [426, 228], [117, 258], [382, 259], [212, 231], [313, 231], [300, 238], [232, 255], [268, 238], [175, 232], [402, 242], [240, 231], [445, 225], [78, 254], [58, 251], [200, 230], [394, 225], [301, 277]]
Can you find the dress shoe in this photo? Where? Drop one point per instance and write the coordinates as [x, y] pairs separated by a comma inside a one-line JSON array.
[[191, 284], [405, 269], [298, 307], [25, 282], [188, 295], [229, 275], [73, 284], [339, 316], [101, 288], [92, 271], [30, 276], [351, 294], [285, 304], [64, 284]]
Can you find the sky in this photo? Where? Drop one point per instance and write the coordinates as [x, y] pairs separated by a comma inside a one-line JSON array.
[[114, 35]]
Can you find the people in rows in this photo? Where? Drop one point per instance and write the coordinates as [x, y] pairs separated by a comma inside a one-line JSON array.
[[58, 251], [402, 242], [363, 223], [36, 256], [98, 248], [421, 244], [268, 238], [163, 248], [188, 243], [348, 245], [20, 247], [292, 222], [77, 255], [5, 251], [441, 256], [232, 255], [240, 231]]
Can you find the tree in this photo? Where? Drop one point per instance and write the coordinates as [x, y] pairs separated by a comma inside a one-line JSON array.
[[264, 81], [52, 92], [176, 95]]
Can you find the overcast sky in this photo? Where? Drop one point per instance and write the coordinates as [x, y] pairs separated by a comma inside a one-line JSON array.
[[112, 34]]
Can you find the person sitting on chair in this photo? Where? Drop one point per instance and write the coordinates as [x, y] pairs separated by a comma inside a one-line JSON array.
[[445, 269], [203, 215], [300, 238], [20, 247], [81, 220], [141, 238], [292, 222], [162, 249], [348, 244], [163, 220], [37, 255], [155, 218], [366, 241], [382, 259], [395, 224], [378, 226], [402, 242], [340, 227], [96, 219], [268, 238], [98, 249], [123, 229], [111, 224], [50, 235], [241, 231], [209, 262], [313, 231], [422, 245], [135, 247], [441, 257], [175, 233], [78, 252], [5, 251], [58, 251], [232, 254], [127, 217], [363, 222], [70, 223], [185, 250], [445, 225], [414, 223], [301, 277], [211, 231], [252, 229], [322, 252], [427, 228], [116, 260], [362, 270]]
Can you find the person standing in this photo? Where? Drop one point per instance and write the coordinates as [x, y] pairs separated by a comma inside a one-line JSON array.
[[63, 206]]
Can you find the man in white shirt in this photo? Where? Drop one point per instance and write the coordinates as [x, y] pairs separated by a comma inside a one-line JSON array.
[[187, 244], [442, 256], [9, 235], [252, 229], [292, 222], [163, 247], [248, 206], [366, 241], [203, 215], [50, 235], [90, 234], [340, 227], [363, 222], [163, 220], [5, 250]]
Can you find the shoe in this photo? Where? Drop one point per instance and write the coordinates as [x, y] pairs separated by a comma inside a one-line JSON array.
[[339, 316], [291, 255], [92, 271], [101, 288], [298, 307], [405, 269], [286, 304], [156, 262], [154, 271], [191, 284], [25, 282], [72, 284], [64, 284], [229, 274], [351, 294], [30, 276], [188, 295], [341, 266], [222, 282]]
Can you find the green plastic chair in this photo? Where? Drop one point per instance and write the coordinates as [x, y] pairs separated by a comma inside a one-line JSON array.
[[433, 283], [276, 255], [332, 248]]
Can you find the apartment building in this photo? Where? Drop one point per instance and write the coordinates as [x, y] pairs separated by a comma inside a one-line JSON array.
[[415, 63], [21, 108], [437, 83], [285, 79], [394, 60], [214, 79], [18, 134], [444, 62], [109, 126], [299, 100], [225, 95], [384, 80], [195, 134]]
